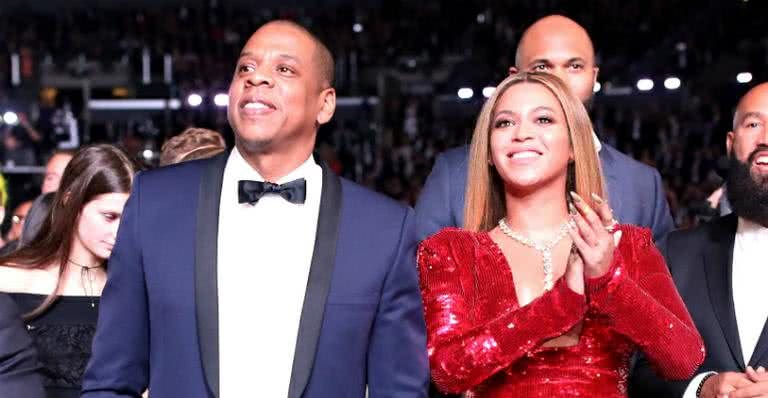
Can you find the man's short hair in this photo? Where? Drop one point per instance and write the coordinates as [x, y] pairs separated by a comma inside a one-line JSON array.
[[323, 55]]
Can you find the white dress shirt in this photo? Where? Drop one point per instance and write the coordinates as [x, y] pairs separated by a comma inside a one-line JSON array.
[[598, 144], [264, 255], [748, 276]]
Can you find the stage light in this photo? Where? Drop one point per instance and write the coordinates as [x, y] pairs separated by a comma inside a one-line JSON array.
[[672, 83], [596, 88], [357, 28], [645, 84], [481, 18], [221, 99], [194, 100], [147, 154], [11, 118], [744, 77], [488, 91], [465, 93]]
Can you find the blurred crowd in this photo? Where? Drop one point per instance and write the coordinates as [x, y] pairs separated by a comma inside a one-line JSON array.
[[425, 51]]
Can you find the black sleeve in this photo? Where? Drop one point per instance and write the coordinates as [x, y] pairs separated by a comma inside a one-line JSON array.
[[19, 367]]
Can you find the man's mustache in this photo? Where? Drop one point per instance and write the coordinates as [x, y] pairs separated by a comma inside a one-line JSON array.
[[753, 155]]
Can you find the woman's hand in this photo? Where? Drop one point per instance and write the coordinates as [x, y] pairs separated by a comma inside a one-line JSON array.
[[574, 273], [595, 235]]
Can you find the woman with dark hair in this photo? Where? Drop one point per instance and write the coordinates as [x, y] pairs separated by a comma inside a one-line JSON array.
[[57, 277]]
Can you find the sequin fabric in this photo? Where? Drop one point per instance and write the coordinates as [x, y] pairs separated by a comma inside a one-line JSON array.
[[482, 343]]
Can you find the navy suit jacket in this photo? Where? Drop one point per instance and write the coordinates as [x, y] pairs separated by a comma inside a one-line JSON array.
[[635, 192], [19, 367], [361, 323], [701, 262]]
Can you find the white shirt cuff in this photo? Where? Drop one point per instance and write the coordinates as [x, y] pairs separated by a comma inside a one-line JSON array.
[[690, 392]]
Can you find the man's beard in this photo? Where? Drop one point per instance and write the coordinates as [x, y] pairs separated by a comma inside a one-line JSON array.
[[747, 193]]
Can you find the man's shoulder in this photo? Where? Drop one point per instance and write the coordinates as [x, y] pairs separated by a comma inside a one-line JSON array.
[[616, 158], [176, 176], [358, 196], [183, 169], [703, 234], [454, 157]]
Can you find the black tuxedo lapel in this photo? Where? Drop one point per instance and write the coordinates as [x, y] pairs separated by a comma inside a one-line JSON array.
[[760, 355], [318, 284], [718, 262], [611, 178], [206, 255]]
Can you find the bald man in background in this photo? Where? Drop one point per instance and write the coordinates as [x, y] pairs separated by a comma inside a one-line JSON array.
[[557, 45], [54, 169]]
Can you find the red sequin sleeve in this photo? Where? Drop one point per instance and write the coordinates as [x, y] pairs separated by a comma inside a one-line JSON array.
[[465, 348], [639, 299]]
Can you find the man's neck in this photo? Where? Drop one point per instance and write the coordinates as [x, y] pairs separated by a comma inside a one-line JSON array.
[[746, 224], [272, 166]]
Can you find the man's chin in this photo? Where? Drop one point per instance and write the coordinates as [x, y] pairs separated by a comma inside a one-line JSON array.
[[760, 177], [747, 191], [254, 143]]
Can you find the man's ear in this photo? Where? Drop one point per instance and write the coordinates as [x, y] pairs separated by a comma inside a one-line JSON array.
[[596, 72], [729, 142], [328, 105]]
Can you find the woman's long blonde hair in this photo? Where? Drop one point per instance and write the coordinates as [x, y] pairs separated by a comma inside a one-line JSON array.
[[485, 199]]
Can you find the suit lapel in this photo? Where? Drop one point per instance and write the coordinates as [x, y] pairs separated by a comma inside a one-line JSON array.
[[206, 255], [760, 354], [717, 268], [759, 357], [318, 284]]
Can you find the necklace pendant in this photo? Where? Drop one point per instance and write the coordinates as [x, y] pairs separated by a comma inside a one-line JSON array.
[[548, 283], [545, 248], [547, 260]]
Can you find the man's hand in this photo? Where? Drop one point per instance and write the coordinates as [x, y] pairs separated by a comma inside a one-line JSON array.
[[759, 388], [722, 384]]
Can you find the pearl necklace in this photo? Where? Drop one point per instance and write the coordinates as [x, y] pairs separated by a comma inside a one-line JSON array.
[[544, 248]]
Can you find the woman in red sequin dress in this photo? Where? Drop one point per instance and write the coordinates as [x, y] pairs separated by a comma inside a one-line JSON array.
[[542, 293]]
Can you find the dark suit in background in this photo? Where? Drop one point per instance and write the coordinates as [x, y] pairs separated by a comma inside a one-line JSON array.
[[701, 260], [19, 366]]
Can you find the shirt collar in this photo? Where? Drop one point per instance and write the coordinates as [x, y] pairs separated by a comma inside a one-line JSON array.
[[598, 145]]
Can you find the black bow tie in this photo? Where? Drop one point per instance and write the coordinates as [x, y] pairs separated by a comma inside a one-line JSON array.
[[251, 191]]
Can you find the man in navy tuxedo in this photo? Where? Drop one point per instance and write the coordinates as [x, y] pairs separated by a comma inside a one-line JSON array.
[[560, 46], [259, 272], [19, 367]]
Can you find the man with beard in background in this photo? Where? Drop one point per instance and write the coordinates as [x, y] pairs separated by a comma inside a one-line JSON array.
[[721, 272]]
